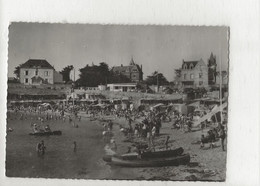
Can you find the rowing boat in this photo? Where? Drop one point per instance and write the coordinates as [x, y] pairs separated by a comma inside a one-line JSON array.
[[57, 132], [151, 162], [147, 154]]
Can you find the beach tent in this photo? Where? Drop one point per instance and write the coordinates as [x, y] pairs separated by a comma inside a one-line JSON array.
[[158, 105], [214, 111], [181, 108], [195, 104]]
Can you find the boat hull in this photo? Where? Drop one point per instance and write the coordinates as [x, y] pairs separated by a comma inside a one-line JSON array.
[[58, 132], [154, 162], [145, 155]]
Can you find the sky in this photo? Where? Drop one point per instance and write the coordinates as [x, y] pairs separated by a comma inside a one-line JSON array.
[[156, 48]]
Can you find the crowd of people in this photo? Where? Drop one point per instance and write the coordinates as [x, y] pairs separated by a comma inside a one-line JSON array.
[[140, 124]]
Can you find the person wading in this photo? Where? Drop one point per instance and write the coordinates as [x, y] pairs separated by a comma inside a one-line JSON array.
[[74, 146], [167, 142]]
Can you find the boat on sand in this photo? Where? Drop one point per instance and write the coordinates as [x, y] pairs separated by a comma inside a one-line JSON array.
[[45, 133], [151, 162], [149, 159]]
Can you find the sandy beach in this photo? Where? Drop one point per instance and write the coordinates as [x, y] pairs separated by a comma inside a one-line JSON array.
[[206, 163]]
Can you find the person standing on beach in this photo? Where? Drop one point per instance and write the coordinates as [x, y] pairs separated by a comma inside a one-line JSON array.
[[167, 142], [222, 136], [70, 119], [130, 124]]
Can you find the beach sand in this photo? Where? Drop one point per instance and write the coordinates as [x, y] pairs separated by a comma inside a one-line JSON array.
[[206, 164]]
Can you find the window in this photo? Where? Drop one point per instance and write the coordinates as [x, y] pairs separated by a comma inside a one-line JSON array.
[[200, 75], [46, 80], [185, 66], [46, 73], [134, 76], [36, 72], [116, 87], [184, 76], [26, 80], [26, 72], [201, 82], [191, 76], [191, 66]]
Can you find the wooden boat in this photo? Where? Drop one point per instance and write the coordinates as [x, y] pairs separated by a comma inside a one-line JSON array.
[[148, 154], [57, 132], [162, 154], [151, 162]]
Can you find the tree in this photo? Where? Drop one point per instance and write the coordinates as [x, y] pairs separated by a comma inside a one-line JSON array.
[[177, 74], [66, 73], [104, 71], [118, 78], [17, 71], [92, 76], [156, 78]]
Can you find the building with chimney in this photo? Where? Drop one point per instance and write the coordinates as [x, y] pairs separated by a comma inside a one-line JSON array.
[[133, 71], [194, 74], [37, 72]]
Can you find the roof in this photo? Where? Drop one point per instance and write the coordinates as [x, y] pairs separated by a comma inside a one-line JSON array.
[[128, 68], [189, 63], [37, 63], [122, 84]]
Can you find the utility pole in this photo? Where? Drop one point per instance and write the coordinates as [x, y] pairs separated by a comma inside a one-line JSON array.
[[220, 83], [157, 83], [73, 85]]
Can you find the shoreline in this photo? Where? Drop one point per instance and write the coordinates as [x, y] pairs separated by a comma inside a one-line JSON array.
[[206, 164]]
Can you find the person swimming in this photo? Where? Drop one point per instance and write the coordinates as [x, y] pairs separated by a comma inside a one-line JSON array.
[[47, 128], [35, 128]]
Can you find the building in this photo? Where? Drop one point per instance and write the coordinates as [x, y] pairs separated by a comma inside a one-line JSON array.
[[194, 74], [122, 87], [37, 72], [133, 71], [212, 66], [224, 76]]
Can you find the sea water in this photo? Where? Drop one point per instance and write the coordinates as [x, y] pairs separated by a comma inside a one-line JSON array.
[[59, 160]]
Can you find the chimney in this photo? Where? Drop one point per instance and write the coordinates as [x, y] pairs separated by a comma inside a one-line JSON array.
[[121, 65]]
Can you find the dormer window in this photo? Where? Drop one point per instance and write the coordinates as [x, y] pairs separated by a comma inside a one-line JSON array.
[[191, 66], [185, 66]]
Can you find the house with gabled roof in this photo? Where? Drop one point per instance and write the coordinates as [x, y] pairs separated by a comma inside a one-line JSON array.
[[194, 74], [133, 71], [37, 72]]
